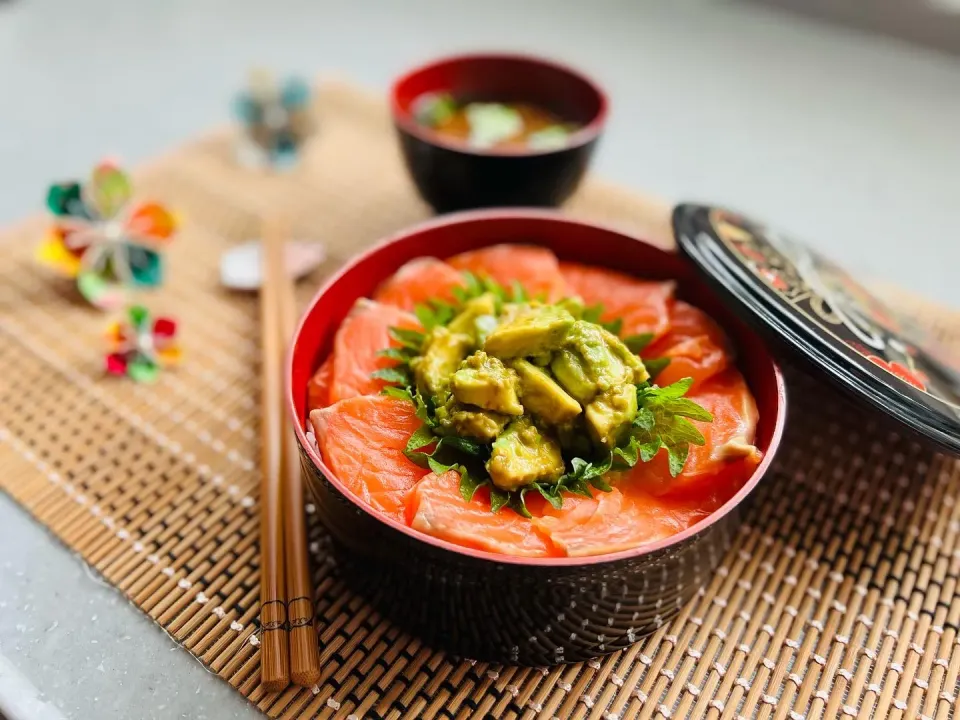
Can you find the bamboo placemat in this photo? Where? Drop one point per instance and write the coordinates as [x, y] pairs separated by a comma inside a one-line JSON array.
[[839, 597]]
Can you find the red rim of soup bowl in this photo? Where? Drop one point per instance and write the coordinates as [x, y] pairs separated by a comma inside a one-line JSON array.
[[402, 117], [780, 406]]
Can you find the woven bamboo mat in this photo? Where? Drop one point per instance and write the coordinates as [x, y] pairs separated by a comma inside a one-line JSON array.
[[839, 597]]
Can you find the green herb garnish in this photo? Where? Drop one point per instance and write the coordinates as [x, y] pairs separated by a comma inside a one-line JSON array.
[[410, 339], [399, 375], [636, 343], [593, 313], [655, 366]]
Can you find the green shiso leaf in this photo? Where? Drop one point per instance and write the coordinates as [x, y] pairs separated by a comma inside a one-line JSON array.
[[411, 339], [636, 343], [399, 375], [655, 366]]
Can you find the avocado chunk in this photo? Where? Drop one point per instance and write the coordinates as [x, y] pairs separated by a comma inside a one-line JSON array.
[[541, 360], [484, 324], [601, 363], [512, 310], [480, 425], [633, 362], [573, 305], [610, 414], [477, 318], [532, 332], [442, 353], [542, 396], [523, 455], [486, 382], [569, 369], [455, 418]]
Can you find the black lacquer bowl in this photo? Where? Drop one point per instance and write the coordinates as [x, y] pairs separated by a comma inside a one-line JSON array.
[[452, 176], [529, 611]]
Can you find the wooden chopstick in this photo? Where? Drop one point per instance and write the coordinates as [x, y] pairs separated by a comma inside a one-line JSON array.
[[304, 651], [274, 650]]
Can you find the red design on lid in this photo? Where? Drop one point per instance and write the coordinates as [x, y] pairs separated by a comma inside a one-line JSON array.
[[914, 377], [774, 279], [751, 253]]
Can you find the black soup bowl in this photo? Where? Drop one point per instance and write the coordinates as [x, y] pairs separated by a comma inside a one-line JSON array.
[[527, 611], [450, 175]]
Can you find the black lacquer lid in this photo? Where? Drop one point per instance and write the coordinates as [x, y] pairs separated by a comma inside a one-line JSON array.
[[831, 321]]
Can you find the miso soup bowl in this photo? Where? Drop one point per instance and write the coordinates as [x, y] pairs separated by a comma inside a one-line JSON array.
[[450, 175], [484, 606]]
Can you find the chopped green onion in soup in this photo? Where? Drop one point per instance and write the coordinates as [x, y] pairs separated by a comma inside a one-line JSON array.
[[553, 137], [433, 109], [492, 123]]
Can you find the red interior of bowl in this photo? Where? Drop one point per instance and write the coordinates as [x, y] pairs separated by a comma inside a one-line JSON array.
[[504, 78], [570, 240]]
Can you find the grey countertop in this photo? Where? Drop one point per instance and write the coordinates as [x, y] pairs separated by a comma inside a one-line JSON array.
[[847, 140]]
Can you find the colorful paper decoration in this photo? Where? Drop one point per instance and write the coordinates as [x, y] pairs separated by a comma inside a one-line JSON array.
[[276, 120], [102, 239], [141, 345]]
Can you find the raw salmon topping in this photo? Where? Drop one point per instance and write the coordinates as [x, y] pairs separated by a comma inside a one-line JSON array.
[[535, 268], [358, 346], [362, 440], [439, 509], [640, 305], [695, 345], [614, 521], [728, 454], [418, 281], [506, 402]]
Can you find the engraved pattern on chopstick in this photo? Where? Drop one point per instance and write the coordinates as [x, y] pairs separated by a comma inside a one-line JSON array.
[[275, 609], [303, 617]]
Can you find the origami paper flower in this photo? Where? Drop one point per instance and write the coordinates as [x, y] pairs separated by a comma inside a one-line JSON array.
[[102, 239], [276, 118], [141, 345]]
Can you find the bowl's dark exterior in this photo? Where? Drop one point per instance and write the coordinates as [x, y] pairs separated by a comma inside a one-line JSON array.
[[530, 611], [515, 614], [449, 179], [453, 176]]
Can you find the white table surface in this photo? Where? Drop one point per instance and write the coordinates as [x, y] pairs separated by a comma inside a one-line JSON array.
[[848, 140]]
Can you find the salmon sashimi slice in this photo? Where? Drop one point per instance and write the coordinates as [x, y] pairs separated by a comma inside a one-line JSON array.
[[643, 305], [356, 347], [695, 344], [727, 459], [686, 320], [318, 387], [535, 268], [614, 521], [418, 281], [437, 508], [362, 441]]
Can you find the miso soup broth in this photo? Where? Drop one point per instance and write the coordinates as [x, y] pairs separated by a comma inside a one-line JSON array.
[[493, 125]]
